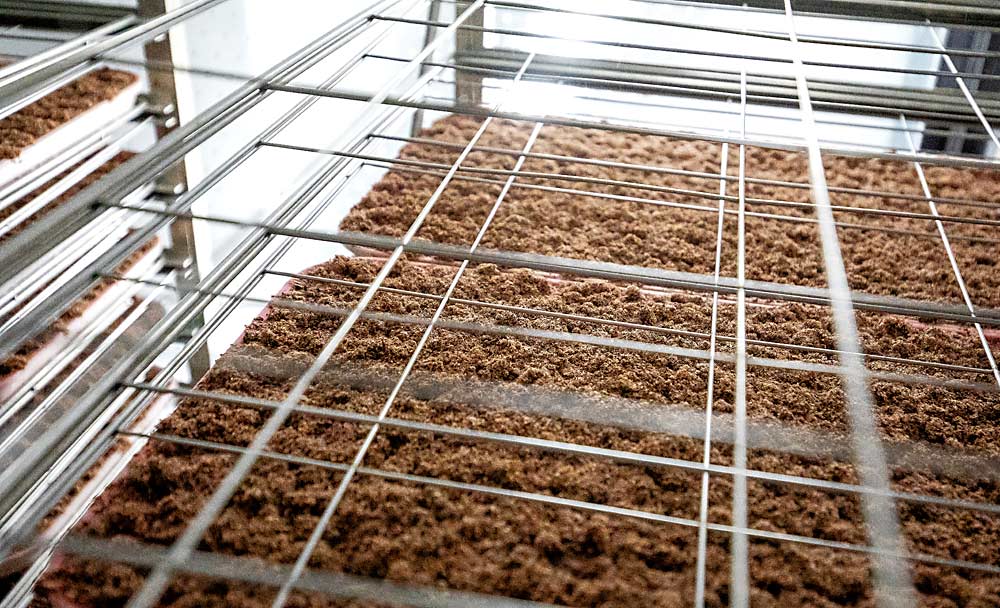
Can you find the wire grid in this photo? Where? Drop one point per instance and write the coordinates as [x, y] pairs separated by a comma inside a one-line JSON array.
[[886, 547]]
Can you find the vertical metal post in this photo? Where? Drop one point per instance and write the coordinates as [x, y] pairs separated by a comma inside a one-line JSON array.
[[468, 87], [180, 256]]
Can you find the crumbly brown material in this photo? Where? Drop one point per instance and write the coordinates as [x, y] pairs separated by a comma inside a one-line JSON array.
[[621, 231], [479, 542], [95, 175], [19, 359], [27, 125], [8, 580]]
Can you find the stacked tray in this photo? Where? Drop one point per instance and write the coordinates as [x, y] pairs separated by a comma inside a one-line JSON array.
[[51, 150]]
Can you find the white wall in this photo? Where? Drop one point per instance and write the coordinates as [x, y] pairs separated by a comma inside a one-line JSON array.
[[246, 37]]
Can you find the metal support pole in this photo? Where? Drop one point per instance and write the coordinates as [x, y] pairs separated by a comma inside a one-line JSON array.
[[181, 255], [469, 86]]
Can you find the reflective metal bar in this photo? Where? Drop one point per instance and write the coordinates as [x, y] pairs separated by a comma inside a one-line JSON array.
[[66, 47], [700, 174], [22, 250], [954, 263], [623, 324], [54, 445], [600, 508], [619, 272], [575, 449], [636, 185], [937, 159], [892, 582], [770, 35], [687, 51], [739, 574], [16, 89], [700, 566]]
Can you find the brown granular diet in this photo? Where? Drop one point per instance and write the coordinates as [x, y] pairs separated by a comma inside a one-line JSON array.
[[428, 535], [19, 359], [24, 127], [909, 260], [635, 390]]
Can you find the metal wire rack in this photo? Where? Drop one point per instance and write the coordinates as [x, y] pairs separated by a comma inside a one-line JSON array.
[[740, 78], [63, 160]]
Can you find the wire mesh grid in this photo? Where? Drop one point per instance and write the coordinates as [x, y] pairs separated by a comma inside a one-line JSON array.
[[483, 83]]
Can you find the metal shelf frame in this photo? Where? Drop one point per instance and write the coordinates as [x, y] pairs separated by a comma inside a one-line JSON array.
[[89, 26], [157, 108], [43, 473]]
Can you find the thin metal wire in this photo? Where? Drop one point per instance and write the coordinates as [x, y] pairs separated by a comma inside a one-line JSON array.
[[954, 263], [629, 80], [697, 134], [773, 35], [84, 39], [765, 138], [176, 321], [541, 175], [243, 76], [699, 589], [965, 89], [118, 130], [90, 345], [798, 219], [582, 505], [881, 15], [688, 173], [624, 324], [917, 107], [511, 176], [739, 547], [50, 272], [139, 403], [81, 210], [167, 370], [156, 583], [653, 86], [12, 33], [597, 340], [644, 85], [22, 87], [686, 51], [335, 500], [617, 272], [562, 447], [893, 585], [251, 570], [93, 160], [771, 138]]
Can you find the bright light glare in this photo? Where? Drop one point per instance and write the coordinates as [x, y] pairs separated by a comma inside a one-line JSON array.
[[541, 98]]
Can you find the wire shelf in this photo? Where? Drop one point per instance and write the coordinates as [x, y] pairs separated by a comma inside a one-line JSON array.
[[421, 359]]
